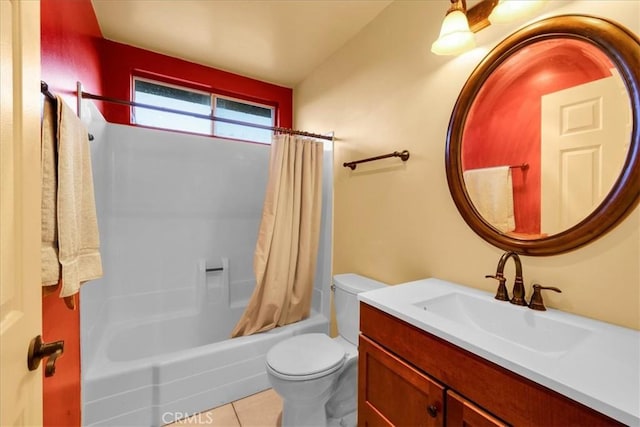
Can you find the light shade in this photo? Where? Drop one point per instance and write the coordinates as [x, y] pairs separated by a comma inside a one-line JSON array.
[[455, 36], [511, 10]]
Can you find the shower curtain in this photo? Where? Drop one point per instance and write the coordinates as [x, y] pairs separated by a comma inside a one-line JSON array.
[[287, 246]]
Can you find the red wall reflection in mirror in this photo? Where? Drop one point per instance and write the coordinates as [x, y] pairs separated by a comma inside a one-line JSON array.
[[503, 125]]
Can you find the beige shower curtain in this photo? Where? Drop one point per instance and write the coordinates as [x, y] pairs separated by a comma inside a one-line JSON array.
[[287, 246]]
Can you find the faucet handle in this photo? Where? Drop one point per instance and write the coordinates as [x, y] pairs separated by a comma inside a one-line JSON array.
[[536, 302], [502, 293]]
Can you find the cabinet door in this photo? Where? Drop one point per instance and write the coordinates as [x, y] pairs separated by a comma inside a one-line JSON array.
[[462, 413], [392, 393]]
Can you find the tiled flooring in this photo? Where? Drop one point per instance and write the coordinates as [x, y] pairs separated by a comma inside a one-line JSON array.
[[259, 410]]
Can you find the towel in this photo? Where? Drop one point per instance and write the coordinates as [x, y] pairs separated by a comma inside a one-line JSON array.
[[70, 240], [49, 246], [491, 191]]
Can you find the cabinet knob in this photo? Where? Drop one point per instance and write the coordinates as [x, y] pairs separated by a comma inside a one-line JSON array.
[[433, 411]]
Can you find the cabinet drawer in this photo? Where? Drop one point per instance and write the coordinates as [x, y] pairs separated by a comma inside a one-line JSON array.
[[393, 393]]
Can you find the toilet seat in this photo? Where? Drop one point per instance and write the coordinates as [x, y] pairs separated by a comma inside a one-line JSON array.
[[305, 357]]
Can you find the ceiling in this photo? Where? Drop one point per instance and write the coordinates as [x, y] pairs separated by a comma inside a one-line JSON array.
[[278, 41]]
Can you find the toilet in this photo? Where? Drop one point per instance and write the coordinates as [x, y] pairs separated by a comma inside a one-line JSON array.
[[316, 375]]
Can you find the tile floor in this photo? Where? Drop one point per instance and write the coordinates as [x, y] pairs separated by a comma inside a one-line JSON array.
[[259, 410]]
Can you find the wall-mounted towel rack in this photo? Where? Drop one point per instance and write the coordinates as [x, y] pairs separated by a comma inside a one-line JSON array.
[[523, 166], [214, 269], [44, 89], [404, 156]]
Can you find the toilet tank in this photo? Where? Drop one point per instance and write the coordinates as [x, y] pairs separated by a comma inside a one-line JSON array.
[[345, 298]]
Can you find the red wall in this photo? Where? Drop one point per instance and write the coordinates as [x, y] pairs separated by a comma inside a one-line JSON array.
[[121, 61], [70, 38], [70, 42], [503, 126], [73, 50]]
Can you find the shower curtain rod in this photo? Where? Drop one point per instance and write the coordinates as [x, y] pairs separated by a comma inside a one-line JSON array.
[[88, 95]]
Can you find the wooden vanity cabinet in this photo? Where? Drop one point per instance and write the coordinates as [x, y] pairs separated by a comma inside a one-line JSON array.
[[408, 377]]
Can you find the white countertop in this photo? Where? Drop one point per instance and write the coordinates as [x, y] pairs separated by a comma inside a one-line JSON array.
[[601, 371]]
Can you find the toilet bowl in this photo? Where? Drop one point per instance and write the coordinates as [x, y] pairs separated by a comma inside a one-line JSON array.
[[304, 371], [316, 375]]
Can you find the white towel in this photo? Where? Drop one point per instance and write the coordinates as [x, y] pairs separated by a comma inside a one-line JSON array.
[[491, 191], [49, 209], [70, 241]]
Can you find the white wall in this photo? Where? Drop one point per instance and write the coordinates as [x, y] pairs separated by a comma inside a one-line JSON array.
[[173, 200], [170, 204], [395, 222]]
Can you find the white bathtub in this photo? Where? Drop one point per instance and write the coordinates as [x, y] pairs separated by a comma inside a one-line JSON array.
[[153, 372]]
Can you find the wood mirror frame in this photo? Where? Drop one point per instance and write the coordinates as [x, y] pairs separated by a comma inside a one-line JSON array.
[[623, 49]]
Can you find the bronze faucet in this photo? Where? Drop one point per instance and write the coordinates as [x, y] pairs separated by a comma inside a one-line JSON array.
[[518, 284], [536, 302]]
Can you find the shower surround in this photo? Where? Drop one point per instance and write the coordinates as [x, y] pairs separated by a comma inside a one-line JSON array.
[[154, 330]]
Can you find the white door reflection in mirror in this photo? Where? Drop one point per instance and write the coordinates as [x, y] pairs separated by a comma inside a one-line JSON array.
[[585, 136]]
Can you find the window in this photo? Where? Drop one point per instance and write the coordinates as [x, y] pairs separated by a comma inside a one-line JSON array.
[[162, 95], [193, 101], [245, 112]]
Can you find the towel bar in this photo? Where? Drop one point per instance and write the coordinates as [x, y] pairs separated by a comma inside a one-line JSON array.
[[404, 156], [44, 89], [523, 166]]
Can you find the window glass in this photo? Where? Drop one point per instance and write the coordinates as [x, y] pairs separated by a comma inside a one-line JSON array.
[[183, 99], [162, 95], [246, 112]]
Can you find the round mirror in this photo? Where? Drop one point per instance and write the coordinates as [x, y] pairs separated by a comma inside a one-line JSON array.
[[542, 146]]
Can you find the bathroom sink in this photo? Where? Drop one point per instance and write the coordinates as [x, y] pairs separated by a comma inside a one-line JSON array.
[[515, 324]]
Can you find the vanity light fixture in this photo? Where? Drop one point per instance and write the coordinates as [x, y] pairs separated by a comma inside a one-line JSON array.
[[455, 35], [460, 24]]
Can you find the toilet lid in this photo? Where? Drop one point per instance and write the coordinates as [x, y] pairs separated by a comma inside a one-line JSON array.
[[305, 355]]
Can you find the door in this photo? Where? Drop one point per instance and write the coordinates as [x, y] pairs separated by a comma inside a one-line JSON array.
[[585, 136], [20, 289]]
